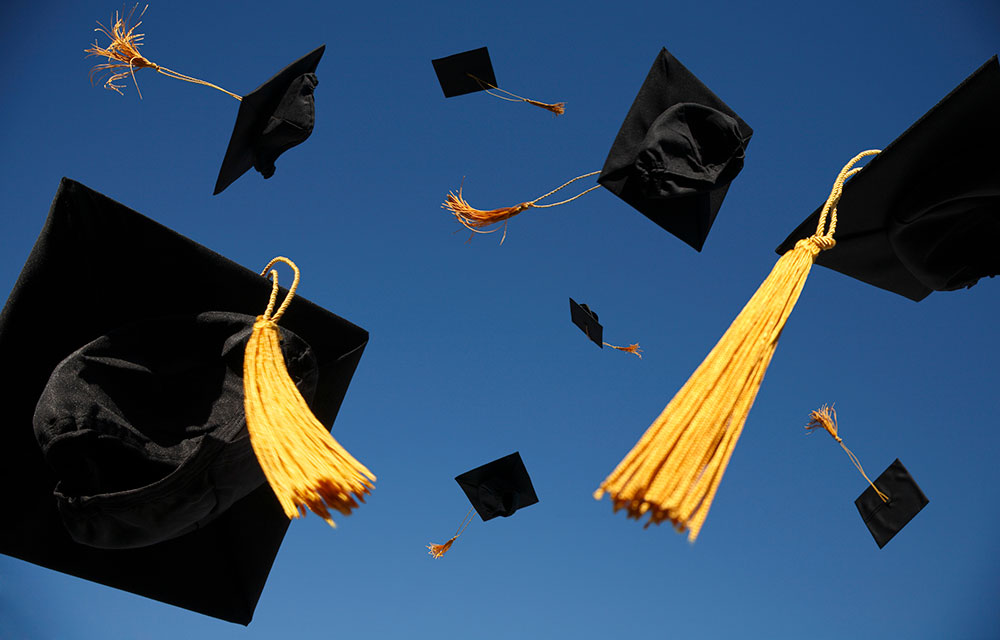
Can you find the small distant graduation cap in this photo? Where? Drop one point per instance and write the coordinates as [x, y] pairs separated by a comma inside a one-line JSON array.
[[888, 503], [924, 214], [886, 517], [497, 488], [586, 320], [126, 457], [272, 118], [673, 159], [472, 71]]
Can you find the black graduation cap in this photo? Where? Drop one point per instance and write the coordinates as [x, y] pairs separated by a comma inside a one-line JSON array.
[[583, 317], [885, 519], [472, 71], [677, 151], [673, 158], [923, 214], [272, 119], [498, 488], [100, 280], [458, 73]]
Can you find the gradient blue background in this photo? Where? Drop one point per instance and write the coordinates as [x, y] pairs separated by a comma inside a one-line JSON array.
[[472, 354]]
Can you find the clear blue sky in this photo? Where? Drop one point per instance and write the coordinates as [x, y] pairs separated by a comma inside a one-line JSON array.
[[472, 354]]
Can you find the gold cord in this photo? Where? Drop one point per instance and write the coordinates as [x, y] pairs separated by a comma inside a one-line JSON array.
[[557, 108], [826, 418]]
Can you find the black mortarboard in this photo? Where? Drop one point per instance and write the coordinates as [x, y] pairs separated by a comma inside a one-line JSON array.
[[98, 274], [885, 519], [923, 214], [677, 151], [272, 119], [672, 160], [458, 73], [498, 488], [583, 317]]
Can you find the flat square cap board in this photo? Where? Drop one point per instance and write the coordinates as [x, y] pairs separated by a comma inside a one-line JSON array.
[[454, 72], [586, 320], [885, 519], [677, 152], [498, 488], [273, 118], [96, 268], [924, 214]]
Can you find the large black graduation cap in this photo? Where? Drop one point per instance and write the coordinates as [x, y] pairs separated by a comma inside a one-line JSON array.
[[677, 151], [98, 267], [455, 72], [272, 119], [498, 488], [885, 519], [924, 214]]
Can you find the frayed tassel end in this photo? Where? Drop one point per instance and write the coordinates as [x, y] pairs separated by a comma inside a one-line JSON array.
[[438, 550], [632, 348], [824, 418], [475, 219], [557, 108]]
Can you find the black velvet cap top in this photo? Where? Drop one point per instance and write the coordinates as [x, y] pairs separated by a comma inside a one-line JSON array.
[[453, 72], [677, 151], [74, 340], [885, 519], [586, 320], [498, 488], [272, 119], [924, 214]]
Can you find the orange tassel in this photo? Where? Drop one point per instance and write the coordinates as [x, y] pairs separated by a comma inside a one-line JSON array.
[[438, 550], [632, 348]]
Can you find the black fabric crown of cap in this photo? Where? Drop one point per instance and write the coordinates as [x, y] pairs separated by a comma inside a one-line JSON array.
[[458, 73], [924, 214], [145, 431], [586, 320], [885, 519], [498, 488], [99, 266], [677, 152], [272, 119]]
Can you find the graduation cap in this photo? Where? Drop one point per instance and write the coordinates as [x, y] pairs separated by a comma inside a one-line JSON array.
[[472, 71], [922, 216], [111, 318], [673, 158], [674, 470], [900, 500], [497, 488], [889, 502], [586, 320], [273, 118]]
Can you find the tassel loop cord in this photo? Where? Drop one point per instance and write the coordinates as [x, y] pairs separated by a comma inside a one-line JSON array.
[[274, 289], [826, 418], [557, 108]]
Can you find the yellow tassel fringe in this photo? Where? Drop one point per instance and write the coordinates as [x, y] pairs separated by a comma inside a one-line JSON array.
[[302, 462], [674, 471]]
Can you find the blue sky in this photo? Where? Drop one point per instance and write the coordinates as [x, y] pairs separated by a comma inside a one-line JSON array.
[[472, 354]]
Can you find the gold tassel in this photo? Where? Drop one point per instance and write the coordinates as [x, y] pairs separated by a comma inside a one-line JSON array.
[[674, 470], [475, 219], [438, 550], [557, 108], [826, 418], [302, 462], [123, 53], [632, 348]]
